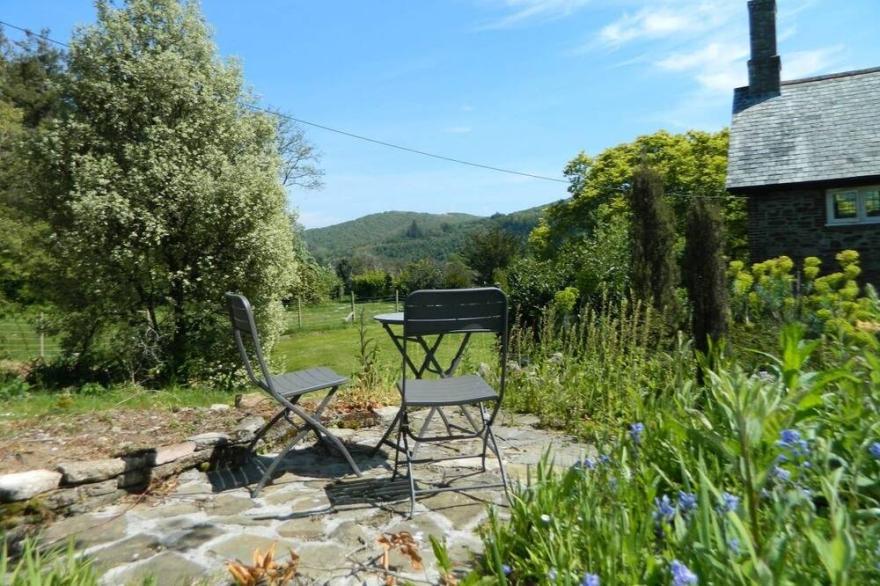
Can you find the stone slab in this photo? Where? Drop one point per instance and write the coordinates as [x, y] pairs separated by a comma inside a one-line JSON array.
[[133, 549], [21, 486], [305, 528], [242, 546], [167, 569], [86, 530], [91, 470], [166, 454]]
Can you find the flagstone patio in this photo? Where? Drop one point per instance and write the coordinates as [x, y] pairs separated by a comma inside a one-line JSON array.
[[316, 507]]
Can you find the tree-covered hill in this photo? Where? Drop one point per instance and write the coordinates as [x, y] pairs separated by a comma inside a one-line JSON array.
[[395, 238]]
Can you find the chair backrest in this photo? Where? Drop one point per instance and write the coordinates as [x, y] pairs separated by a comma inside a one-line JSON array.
[[445, 311], [244, 327]]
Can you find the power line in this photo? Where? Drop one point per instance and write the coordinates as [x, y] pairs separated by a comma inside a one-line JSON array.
[[393, 145], [352, 134]]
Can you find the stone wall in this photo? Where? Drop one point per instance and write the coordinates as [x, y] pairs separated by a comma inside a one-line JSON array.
[[793, 223]]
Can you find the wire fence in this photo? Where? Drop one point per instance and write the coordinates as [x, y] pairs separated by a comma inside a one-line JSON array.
[[22, 337], [338, 314]]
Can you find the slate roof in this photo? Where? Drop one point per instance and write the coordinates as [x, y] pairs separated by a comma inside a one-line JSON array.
[[817, 129]]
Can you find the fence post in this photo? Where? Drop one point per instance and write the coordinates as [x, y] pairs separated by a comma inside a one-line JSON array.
[[42, 338], [396, 300], [299, 311], [352, 307]]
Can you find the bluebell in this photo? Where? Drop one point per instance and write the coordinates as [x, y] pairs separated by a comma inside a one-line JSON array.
[[682, 575]]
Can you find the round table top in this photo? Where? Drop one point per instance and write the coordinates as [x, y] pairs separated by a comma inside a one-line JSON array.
[[395, 318]]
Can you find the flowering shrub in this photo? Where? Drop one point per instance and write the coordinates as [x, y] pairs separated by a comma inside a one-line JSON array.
[[833, 303], [770, 477]]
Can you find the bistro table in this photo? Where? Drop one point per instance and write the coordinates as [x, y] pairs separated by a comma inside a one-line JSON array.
[[430, 364]]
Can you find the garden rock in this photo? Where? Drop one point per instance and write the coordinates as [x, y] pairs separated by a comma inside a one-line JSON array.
[[220, 407], [247, 427], [91, 471], [209, 440], [24, 485], [135, 548], [166, 454], [306, 528], [241, 547], [86, 530], [165, 568]]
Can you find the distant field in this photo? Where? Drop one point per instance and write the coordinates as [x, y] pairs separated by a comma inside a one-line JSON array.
[[19, 339]]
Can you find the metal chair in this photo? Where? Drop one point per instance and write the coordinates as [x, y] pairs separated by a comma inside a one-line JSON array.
[[286, 389], [451, 311]]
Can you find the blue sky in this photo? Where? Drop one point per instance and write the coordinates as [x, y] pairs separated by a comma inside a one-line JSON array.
[[521, 84]]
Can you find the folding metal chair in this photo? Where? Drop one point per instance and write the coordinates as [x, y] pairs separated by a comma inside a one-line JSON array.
[[286, 389], [450, 311]]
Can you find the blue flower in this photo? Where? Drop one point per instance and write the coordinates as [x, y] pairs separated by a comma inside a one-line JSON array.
[[687, 501], [733, 544], [791, 440], [681, 574], [545, 519], [604, 459], [589, 463], [635, 432], [874, 450], [552, 574], [781, 474], [665, 511], [506, 569], [729, 503], [590, 580]]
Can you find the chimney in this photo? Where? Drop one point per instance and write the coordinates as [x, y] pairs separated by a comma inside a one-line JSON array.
[[765, 67]]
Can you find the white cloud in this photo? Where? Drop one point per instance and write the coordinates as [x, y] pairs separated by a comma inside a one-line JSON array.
[[663, 20], [801, 64], [521, 12]]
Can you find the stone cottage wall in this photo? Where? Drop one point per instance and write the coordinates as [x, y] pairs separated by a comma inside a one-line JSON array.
[[793, 223]]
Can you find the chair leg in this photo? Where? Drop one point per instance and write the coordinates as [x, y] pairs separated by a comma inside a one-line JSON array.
[[412, 479], [263, 430], [316, 425], [491, 436], [320, 410], [395, 424], [267, 475]]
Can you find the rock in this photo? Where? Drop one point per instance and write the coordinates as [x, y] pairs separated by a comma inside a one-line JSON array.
[[91, 471], [167, 511], [250, 401], [484, 370], [320, 561], [247, 427], [219, 407], [242, 546], [557, 358], [165, 568], [136, 548], [24, 485], [350, 533], [83, 498], [462, 511], [209, 440], [387, 414], [166, 454], [86, 530], [225, 505], [195, 537], [305, 528]]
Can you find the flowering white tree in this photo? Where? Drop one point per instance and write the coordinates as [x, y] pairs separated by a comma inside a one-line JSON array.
[[162, 189]]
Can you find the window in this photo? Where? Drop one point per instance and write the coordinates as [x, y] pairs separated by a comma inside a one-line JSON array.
[[858, 205]]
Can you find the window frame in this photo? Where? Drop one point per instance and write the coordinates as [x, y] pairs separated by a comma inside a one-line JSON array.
[[861, 213]]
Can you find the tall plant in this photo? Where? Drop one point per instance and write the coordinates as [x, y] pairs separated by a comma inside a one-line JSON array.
[[654, 270], [162, 190], [705, 274]]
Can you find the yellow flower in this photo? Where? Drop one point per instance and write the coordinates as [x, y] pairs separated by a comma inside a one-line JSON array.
[[847, 257]]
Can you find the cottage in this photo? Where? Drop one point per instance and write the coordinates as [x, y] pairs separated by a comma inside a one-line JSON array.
[[807, 154]]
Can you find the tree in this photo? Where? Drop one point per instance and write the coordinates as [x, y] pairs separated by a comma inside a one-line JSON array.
[[652, 240], [488, 250], [161, 188], [414, 231], [421, 274], [704, 274], [693, 163], [299, 157], [457, 274]]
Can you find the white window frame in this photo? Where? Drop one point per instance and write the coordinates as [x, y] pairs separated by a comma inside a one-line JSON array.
[[861, 214]]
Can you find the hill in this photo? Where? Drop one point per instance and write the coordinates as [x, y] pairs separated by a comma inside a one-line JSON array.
[[395, 238]]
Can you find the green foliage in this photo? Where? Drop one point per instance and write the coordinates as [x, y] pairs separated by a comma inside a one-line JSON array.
[[770, 477], [35, 566], [371, 285], [652, 242], [694, 163], [533, 283], [487, 251], [159, 151], [381, 237], [421, 274], [704, 274], [770, 292], [565, 301]]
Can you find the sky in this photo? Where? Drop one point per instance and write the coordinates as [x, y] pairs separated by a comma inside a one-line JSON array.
[[518, 84]]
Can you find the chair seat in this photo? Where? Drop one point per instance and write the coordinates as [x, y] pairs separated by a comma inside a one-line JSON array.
[[456, 390], [293, 384]]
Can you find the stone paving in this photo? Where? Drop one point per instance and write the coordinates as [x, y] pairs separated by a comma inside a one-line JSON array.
[[316, 507]]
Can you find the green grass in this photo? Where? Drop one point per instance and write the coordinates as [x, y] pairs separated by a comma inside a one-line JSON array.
[[19, 339], [40, 403]]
